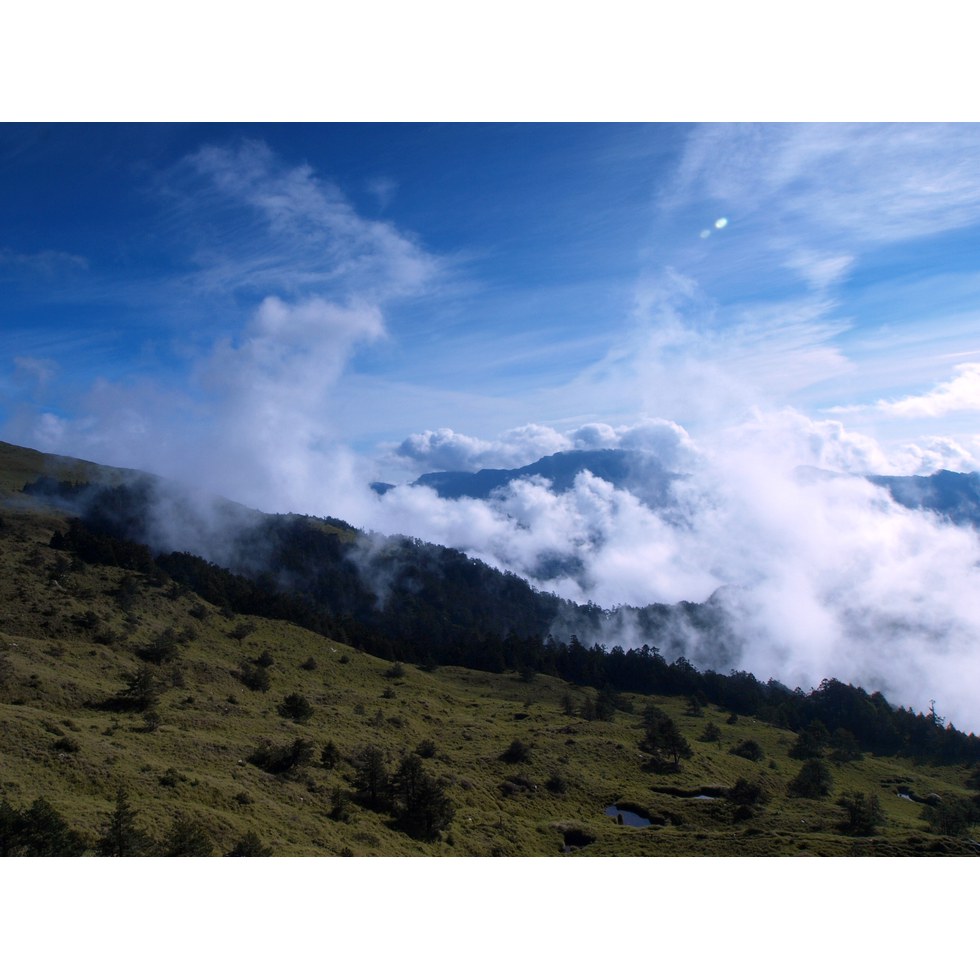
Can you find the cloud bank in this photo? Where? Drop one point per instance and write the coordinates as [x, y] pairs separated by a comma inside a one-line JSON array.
[[821, 572], [445, 449]]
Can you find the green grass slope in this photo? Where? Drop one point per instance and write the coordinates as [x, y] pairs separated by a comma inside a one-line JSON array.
[[72, 636]]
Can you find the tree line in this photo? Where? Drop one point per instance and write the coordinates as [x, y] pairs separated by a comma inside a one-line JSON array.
[[402, 599]]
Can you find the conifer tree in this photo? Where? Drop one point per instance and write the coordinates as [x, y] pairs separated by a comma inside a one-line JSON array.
[[120, 837]]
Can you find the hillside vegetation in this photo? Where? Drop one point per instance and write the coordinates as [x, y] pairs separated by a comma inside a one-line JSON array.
[[139, 716]]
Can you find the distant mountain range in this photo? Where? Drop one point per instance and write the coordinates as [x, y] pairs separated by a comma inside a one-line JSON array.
[[640, 473], [955, 496]]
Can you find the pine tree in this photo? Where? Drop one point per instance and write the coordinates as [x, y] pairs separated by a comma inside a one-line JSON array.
[[420, 804], [663, 740], [120, 837], [371, 778], [45, 833], [187, 838]]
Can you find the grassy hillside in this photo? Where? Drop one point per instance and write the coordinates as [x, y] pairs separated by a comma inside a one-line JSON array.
[[525, 765]]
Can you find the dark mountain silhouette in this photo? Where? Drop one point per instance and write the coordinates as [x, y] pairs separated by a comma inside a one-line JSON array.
[[955, 496], [640, 472]]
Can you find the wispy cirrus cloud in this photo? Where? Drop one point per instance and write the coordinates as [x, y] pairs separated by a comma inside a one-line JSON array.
[[259, 224], [47, 262], [37, 371], [870, 182]]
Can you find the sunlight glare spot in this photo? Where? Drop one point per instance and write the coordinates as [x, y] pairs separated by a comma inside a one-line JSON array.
[[721, 223]]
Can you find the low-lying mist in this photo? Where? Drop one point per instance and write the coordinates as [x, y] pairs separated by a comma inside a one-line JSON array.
[[820, 572], [817, 571]]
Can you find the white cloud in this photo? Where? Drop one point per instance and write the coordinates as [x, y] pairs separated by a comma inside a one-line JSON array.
[[444, 449], [796, 440], [959, 394], [937, 453]]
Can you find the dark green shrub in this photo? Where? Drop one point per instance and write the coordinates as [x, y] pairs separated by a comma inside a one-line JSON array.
[[862, 814], [309, 664], [171, 778], [254, 677], [187, 838], [279, 759], [242, 631], [810, 742], [163, 649], [66, 744], [426, 749], [516, 752], [711, 733], [296, 707], [249, 845], [142, 691], [813, 780], [556, 784], [330, 756], [749, 749], [953, 817], [339, 805], [745, 793]]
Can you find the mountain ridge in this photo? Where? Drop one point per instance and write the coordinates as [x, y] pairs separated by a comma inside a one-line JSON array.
[[948, 493]]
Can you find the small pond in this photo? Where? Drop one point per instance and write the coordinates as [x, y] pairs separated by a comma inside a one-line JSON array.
[[626, 817]]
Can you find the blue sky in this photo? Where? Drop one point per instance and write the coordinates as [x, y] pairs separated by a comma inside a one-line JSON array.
[[489, 277]]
